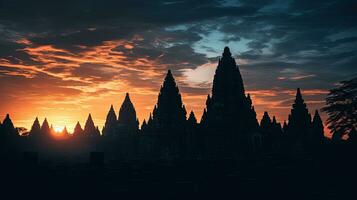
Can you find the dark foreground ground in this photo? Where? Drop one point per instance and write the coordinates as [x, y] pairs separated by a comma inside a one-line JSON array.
[[266, 176]]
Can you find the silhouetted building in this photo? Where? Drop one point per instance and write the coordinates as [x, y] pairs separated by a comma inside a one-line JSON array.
[[7, 128], [265, 123], [277, 135], [229, 118], [192, 121], [266, 128], [169, 114], [78, 131], [143, 126], [64, 132], [285, 127], [128, 123], [111, 123], [277, 129], [35, 131], [149, 124], [317, 129], [271, 132], [299, 126], [228, 108], [52, 130], [89, 128], [97, 131], [45, 128]]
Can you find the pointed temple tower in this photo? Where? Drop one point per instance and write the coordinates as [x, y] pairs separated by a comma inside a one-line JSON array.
[[35, 129], [169, 114], [266, 123], [78, 131], [229, 111], [7, 128], [317, 129], [299, 124], [45, 128], [110, 126], [192, 121], [128, 123], [89, 128]]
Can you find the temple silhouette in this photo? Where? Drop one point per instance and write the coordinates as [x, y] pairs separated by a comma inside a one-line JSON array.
[[228, 128], [228, 153]]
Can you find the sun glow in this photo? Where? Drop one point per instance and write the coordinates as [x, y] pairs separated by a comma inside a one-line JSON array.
[[58, 129]]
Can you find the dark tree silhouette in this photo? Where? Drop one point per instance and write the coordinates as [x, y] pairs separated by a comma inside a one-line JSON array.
[[78, 131], [35, 129], [169, 115], [341, 107], [128, 123], [89, 128], [45, 128], [111, 123], [229, 110]]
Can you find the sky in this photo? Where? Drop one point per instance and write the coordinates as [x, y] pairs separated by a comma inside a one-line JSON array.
[[65, 59]]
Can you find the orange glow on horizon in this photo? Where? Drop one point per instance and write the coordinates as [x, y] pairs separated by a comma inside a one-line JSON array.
[[144, 103], [68, 86]]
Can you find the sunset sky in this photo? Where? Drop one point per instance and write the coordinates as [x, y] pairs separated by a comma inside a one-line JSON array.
[[65, 59]]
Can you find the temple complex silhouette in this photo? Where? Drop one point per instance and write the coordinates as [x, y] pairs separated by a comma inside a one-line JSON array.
[[228, 127]]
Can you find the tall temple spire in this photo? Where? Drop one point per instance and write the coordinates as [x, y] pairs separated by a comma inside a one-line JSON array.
[[89, 128], [52, 130], [127, 120], [143, 126], [299, 120], [8, 128], [45, 128], [192, 118], [35, 129], [169, 114], [227, 82], [78, 131], [317, 128], [110, 125], [228, 108], [266, 122], [64, 132], [276, 128]]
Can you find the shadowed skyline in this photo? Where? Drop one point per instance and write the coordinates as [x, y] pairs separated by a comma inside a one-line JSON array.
[[65, 59]]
